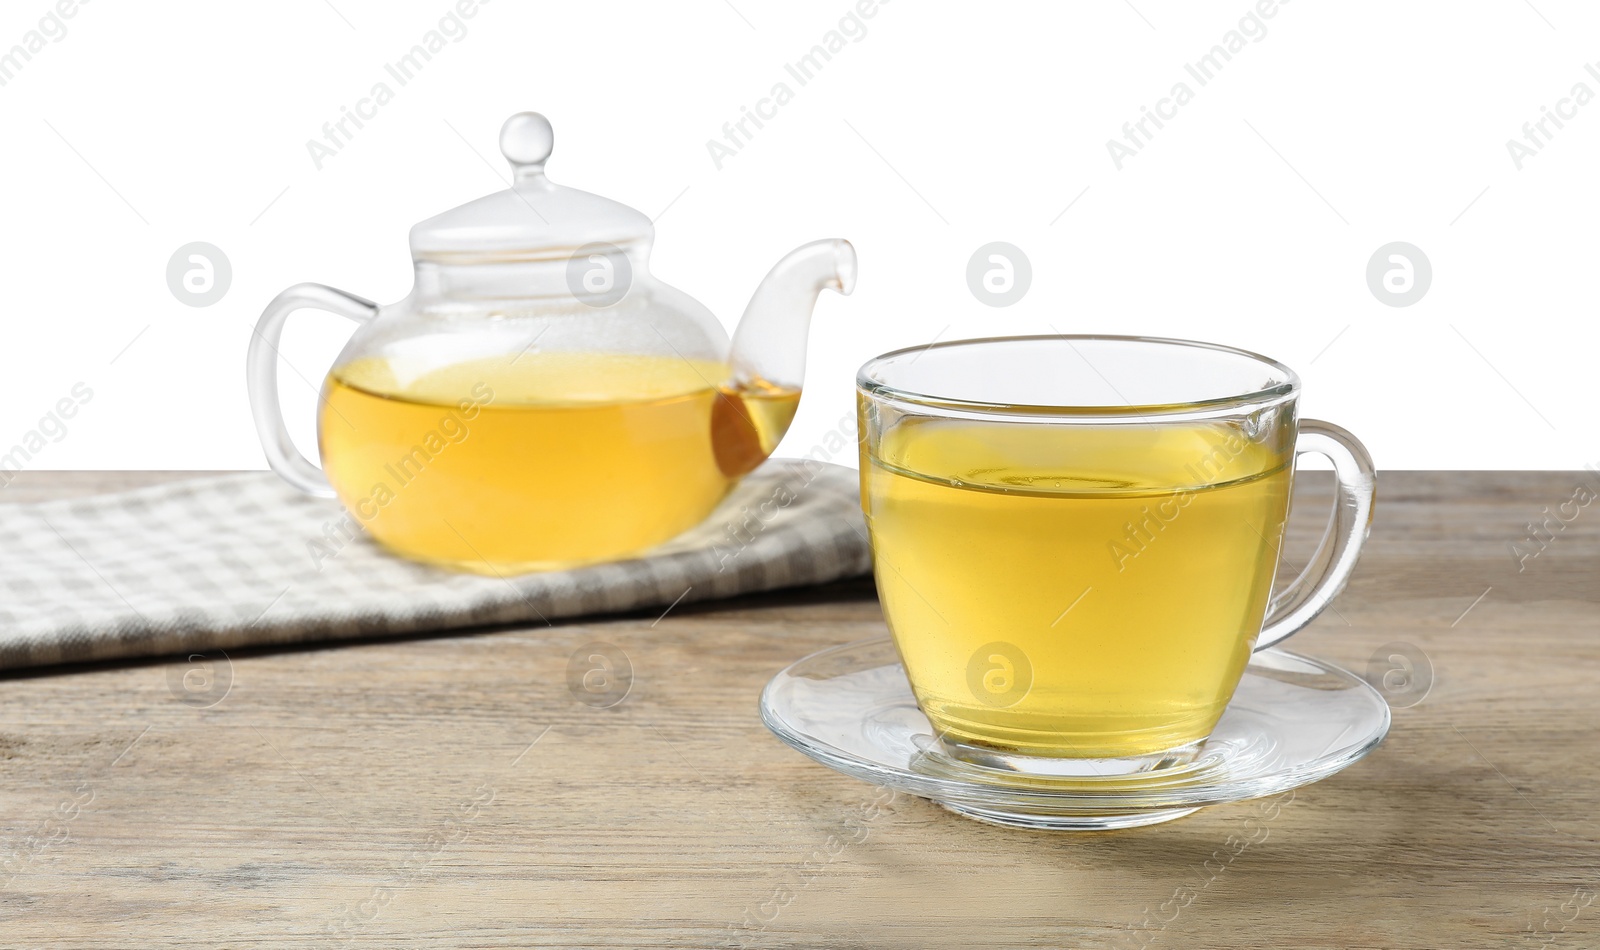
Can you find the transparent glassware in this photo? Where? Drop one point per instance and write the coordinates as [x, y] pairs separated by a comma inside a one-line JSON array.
[[1293, 720], [1076, 538], [539, 399]]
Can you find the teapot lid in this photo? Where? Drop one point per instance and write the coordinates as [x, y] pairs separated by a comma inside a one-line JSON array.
[[534, 219]]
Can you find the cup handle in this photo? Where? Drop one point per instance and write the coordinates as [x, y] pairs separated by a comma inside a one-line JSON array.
[[261, 374], [1308, 595]]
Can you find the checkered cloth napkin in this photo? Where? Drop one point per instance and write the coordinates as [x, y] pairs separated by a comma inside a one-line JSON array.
[[224, 562]]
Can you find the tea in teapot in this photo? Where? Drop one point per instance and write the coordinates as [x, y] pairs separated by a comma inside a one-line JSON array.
[[539, 400], [612, 452]]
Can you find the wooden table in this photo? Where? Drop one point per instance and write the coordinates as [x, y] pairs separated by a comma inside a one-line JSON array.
[[450, 791]]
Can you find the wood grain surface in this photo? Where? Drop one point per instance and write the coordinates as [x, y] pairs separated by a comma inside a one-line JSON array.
[[452, 791]]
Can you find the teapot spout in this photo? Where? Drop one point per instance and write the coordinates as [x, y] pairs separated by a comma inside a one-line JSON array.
[[768, 361], [769, 345]]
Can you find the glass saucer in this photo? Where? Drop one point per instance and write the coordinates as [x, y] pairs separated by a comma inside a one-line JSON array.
[[1294, 720]]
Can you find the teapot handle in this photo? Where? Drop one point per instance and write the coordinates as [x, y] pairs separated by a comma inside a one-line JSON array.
[[261, 373]]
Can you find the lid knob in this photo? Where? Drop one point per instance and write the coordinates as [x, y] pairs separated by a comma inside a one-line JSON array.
[[526, 141], [534, 219]]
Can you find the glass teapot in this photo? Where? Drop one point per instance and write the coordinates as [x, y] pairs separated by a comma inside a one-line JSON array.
[[539, 400]]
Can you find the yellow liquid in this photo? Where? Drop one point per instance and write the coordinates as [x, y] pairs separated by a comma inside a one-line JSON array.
[[1074, 591], [541, 460]]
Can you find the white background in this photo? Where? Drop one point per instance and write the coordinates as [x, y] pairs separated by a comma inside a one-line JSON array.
[[1248, 220]]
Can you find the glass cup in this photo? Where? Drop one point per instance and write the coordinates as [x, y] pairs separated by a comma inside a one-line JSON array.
[[1075, 538]]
